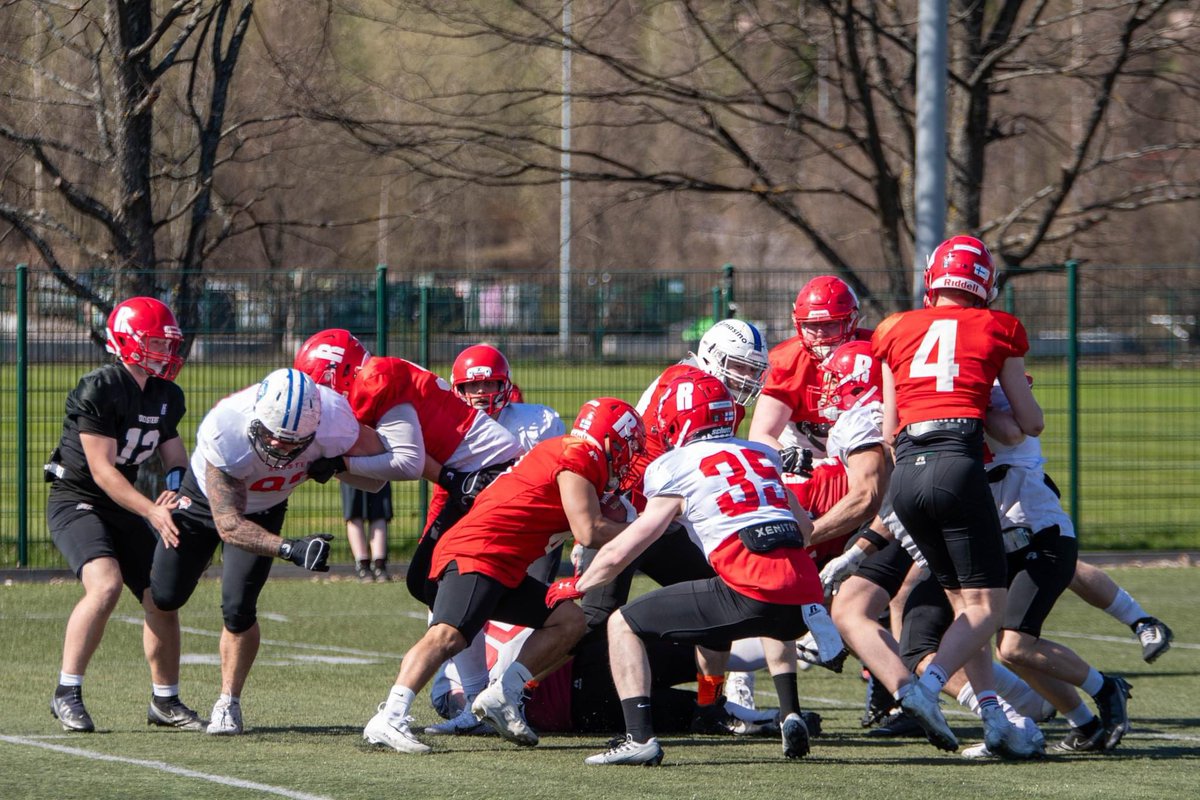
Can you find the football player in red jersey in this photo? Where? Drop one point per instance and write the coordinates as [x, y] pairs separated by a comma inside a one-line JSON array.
[[116, 417], [729, 494], [479, 568], [939, 366]]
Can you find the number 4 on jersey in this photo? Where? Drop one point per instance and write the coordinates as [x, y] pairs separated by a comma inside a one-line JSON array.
[[942, 334]]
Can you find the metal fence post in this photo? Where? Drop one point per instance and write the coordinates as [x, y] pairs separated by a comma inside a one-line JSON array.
[[22, 417], [730, 302], [423, 354], [1073, 385], [381, 309]]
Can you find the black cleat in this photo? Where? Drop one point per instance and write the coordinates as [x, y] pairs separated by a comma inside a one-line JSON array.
[[1111, 701], [1154, 636], [67, 707], [713, 719], [795, 736], [812, 721], [170, 712], [898, 725], [1088, 739], [879, 702], [365, 575]]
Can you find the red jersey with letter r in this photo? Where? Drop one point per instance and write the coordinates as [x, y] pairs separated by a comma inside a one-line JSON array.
[[520, 516], [794, 380], [945, 359]]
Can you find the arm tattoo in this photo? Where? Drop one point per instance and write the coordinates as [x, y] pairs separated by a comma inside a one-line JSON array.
[[227, 499]]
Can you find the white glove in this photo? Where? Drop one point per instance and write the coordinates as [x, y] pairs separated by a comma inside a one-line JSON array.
[[577, 557], [840, 568]]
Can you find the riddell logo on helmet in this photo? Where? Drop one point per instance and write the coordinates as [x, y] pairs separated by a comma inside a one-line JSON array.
[[479, 373], [954, 282]]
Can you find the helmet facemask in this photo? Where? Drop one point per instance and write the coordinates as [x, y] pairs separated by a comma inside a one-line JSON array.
[[277, 451]]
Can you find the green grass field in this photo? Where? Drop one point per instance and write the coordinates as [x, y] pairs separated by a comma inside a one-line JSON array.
[[330, 653], [1139, 431]]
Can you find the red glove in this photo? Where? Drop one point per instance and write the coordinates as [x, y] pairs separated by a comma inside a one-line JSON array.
[[562, 591]]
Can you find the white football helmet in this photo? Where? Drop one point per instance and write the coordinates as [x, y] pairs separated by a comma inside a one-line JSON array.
[[736, 352], [285, 417]]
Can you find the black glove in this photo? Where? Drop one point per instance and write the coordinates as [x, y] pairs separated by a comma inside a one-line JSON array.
[[322, 469], [465, 486], [797, 460], [311, 552]]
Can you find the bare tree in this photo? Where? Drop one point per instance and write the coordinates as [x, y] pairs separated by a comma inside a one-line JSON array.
[[804, 110]]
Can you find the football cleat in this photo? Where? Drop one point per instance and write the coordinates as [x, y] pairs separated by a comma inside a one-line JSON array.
[[922, 704], [365, 575], [226, 719], [1155, 637], [505, 714], [809, 654], [1088, 739], [878, 703], [1003, 738], [464, 724], [393, 731], [898, 725], [1111, 702], [795, 736], [170, 712], [713, 720], [739, 689], [380, 575], [627, 751], [812, 721], [67, 707]]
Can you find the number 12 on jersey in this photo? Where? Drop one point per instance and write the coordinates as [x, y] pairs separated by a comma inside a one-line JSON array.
[[942, 335]]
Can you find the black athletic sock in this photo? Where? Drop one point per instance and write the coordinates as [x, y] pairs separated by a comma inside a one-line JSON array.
[[638, 721], [789, 695]]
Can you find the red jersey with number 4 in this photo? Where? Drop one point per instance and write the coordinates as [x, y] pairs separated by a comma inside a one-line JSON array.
[[519, 517], [794, 380], [384, 383], [945, 359]]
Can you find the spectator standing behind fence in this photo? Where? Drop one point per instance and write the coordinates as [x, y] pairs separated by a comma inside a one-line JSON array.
[[367, 515], [116, 417]]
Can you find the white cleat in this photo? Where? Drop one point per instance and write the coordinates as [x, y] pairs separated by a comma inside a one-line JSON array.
[[504, 714], [465, 724], [629, 752], [923, 706], [739, 689], [226, 719], [392, 730]]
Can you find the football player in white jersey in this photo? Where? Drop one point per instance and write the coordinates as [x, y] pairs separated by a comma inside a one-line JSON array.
[[729, 495], [252, 450]]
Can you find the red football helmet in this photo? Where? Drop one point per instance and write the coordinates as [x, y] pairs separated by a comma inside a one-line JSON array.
[[823, 300], [695, 406], [143, 332], [964, 263], [482, 363], [616, 428], [332, 358], [852, 377]]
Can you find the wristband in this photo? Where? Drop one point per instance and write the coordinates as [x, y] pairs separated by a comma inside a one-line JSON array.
[[873, 538], [174, 478]]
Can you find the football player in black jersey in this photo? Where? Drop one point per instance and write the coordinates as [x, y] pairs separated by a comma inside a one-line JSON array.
[[116, 417]]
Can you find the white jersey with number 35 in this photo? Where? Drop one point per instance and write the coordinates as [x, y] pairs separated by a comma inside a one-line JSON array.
[[726, 484]]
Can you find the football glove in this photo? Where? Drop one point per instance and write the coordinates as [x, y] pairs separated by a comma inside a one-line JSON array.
[[840, 568], [464, 486], [311, 552], [797, 460], [561, 591], [322, 469]]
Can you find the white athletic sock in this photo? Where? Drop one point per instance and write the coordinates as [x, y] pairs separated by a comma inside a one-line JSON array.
[[67, 679], [230, 699], [1093, 682], [165, 689], [471, 665], [1017, 693], [399, 701], [1079, 716], [1125, 609], [514, 679]]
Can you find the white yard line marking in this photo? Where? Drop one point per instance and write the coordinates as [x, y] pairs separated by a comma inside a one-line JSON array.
[[328, 648], [162, 766], [1095, 637]]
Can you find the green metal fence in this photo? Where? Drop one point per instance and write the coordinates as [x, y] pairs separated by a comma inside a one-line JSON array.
[[1114, 355]]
